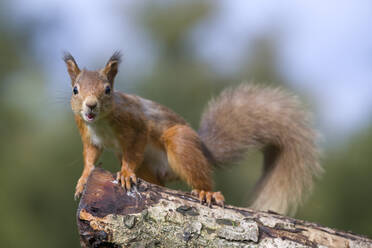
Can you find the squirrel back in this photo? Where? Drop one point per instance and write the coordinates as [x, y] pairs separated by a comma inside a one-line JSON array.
[[272, 120]]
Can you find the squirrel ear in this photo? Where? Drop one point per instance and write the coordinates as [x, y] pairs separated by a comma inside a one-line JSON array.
[[72, 67], [111, 68]]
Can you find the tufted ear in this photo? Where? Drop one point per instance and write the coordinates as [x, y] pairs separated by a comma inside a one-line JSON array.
[[111, 68], [72, 67]]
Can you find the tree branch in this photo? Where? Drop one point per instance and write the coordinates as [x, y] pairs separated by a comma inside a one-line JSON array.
[[153, 216]]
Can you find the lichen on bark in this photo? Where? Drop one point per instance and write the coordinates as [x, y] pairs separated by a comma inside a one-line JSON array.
[[153, 216]]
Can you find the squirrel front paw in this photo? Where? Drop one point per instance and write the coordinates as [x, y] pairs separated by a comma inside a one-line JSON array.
[[80, 187], [209, 197], [126, 178]]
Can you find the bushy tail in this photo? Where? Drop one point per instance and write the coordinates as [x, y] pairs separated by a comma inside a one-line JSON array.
[[272, 120]]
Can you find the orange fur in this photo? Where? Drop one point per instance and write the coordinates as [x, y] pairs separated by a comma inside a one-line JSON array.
[[180, 142], [90, 153]]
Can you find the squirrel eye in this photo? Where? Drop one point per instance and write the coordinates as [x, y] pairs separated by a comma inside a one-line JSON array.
[[107, 90], [75, 90]]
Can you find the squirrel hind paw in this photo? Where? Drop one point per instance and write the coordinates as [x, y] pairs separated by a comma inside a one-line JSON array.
[[208, 197]]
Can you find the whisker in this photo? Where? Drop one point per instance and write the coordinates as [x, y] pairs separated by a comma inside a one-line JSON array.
[[74, 162]]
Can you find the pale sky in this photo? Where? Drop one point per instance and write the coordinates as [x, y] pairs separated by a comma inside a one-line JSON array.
[[325, 47]]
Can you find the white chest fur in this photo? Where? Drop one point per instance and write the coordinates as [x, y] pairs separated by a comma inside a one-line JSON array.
[[102, 135]]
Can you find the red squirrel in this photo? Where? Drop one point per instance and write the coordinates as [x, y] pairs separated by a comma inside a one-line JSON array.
[[155, 144]]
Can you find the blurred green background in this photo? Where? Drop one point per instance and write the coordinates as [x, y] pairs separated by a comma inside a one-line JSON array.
[[40, 148]]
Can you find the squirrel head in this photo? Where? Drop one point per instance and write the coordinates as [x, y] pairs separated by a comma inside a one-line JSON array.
[[92, 91]]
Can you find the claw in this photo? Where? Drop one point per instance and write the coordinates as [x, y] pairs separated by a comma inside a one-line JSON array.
[[209, 197], [126, 179], [77, 196], [80, 187], [201, 196]]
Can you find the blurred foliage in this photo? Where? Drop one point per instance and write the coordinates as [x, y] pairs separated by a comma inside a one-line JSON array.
[[342, 198], [40, 149]]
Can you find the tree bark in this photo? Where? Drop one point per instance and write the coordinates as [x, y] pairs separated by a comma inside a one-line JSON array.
[[154, 216]]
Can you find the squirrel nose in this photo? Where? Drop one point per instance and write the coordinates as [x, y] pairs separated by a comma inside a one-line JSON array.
[[91, 105]]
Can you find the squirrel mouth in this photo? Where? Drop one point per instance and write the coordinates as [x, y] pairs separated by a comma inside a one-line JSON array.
[[90, 116]]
